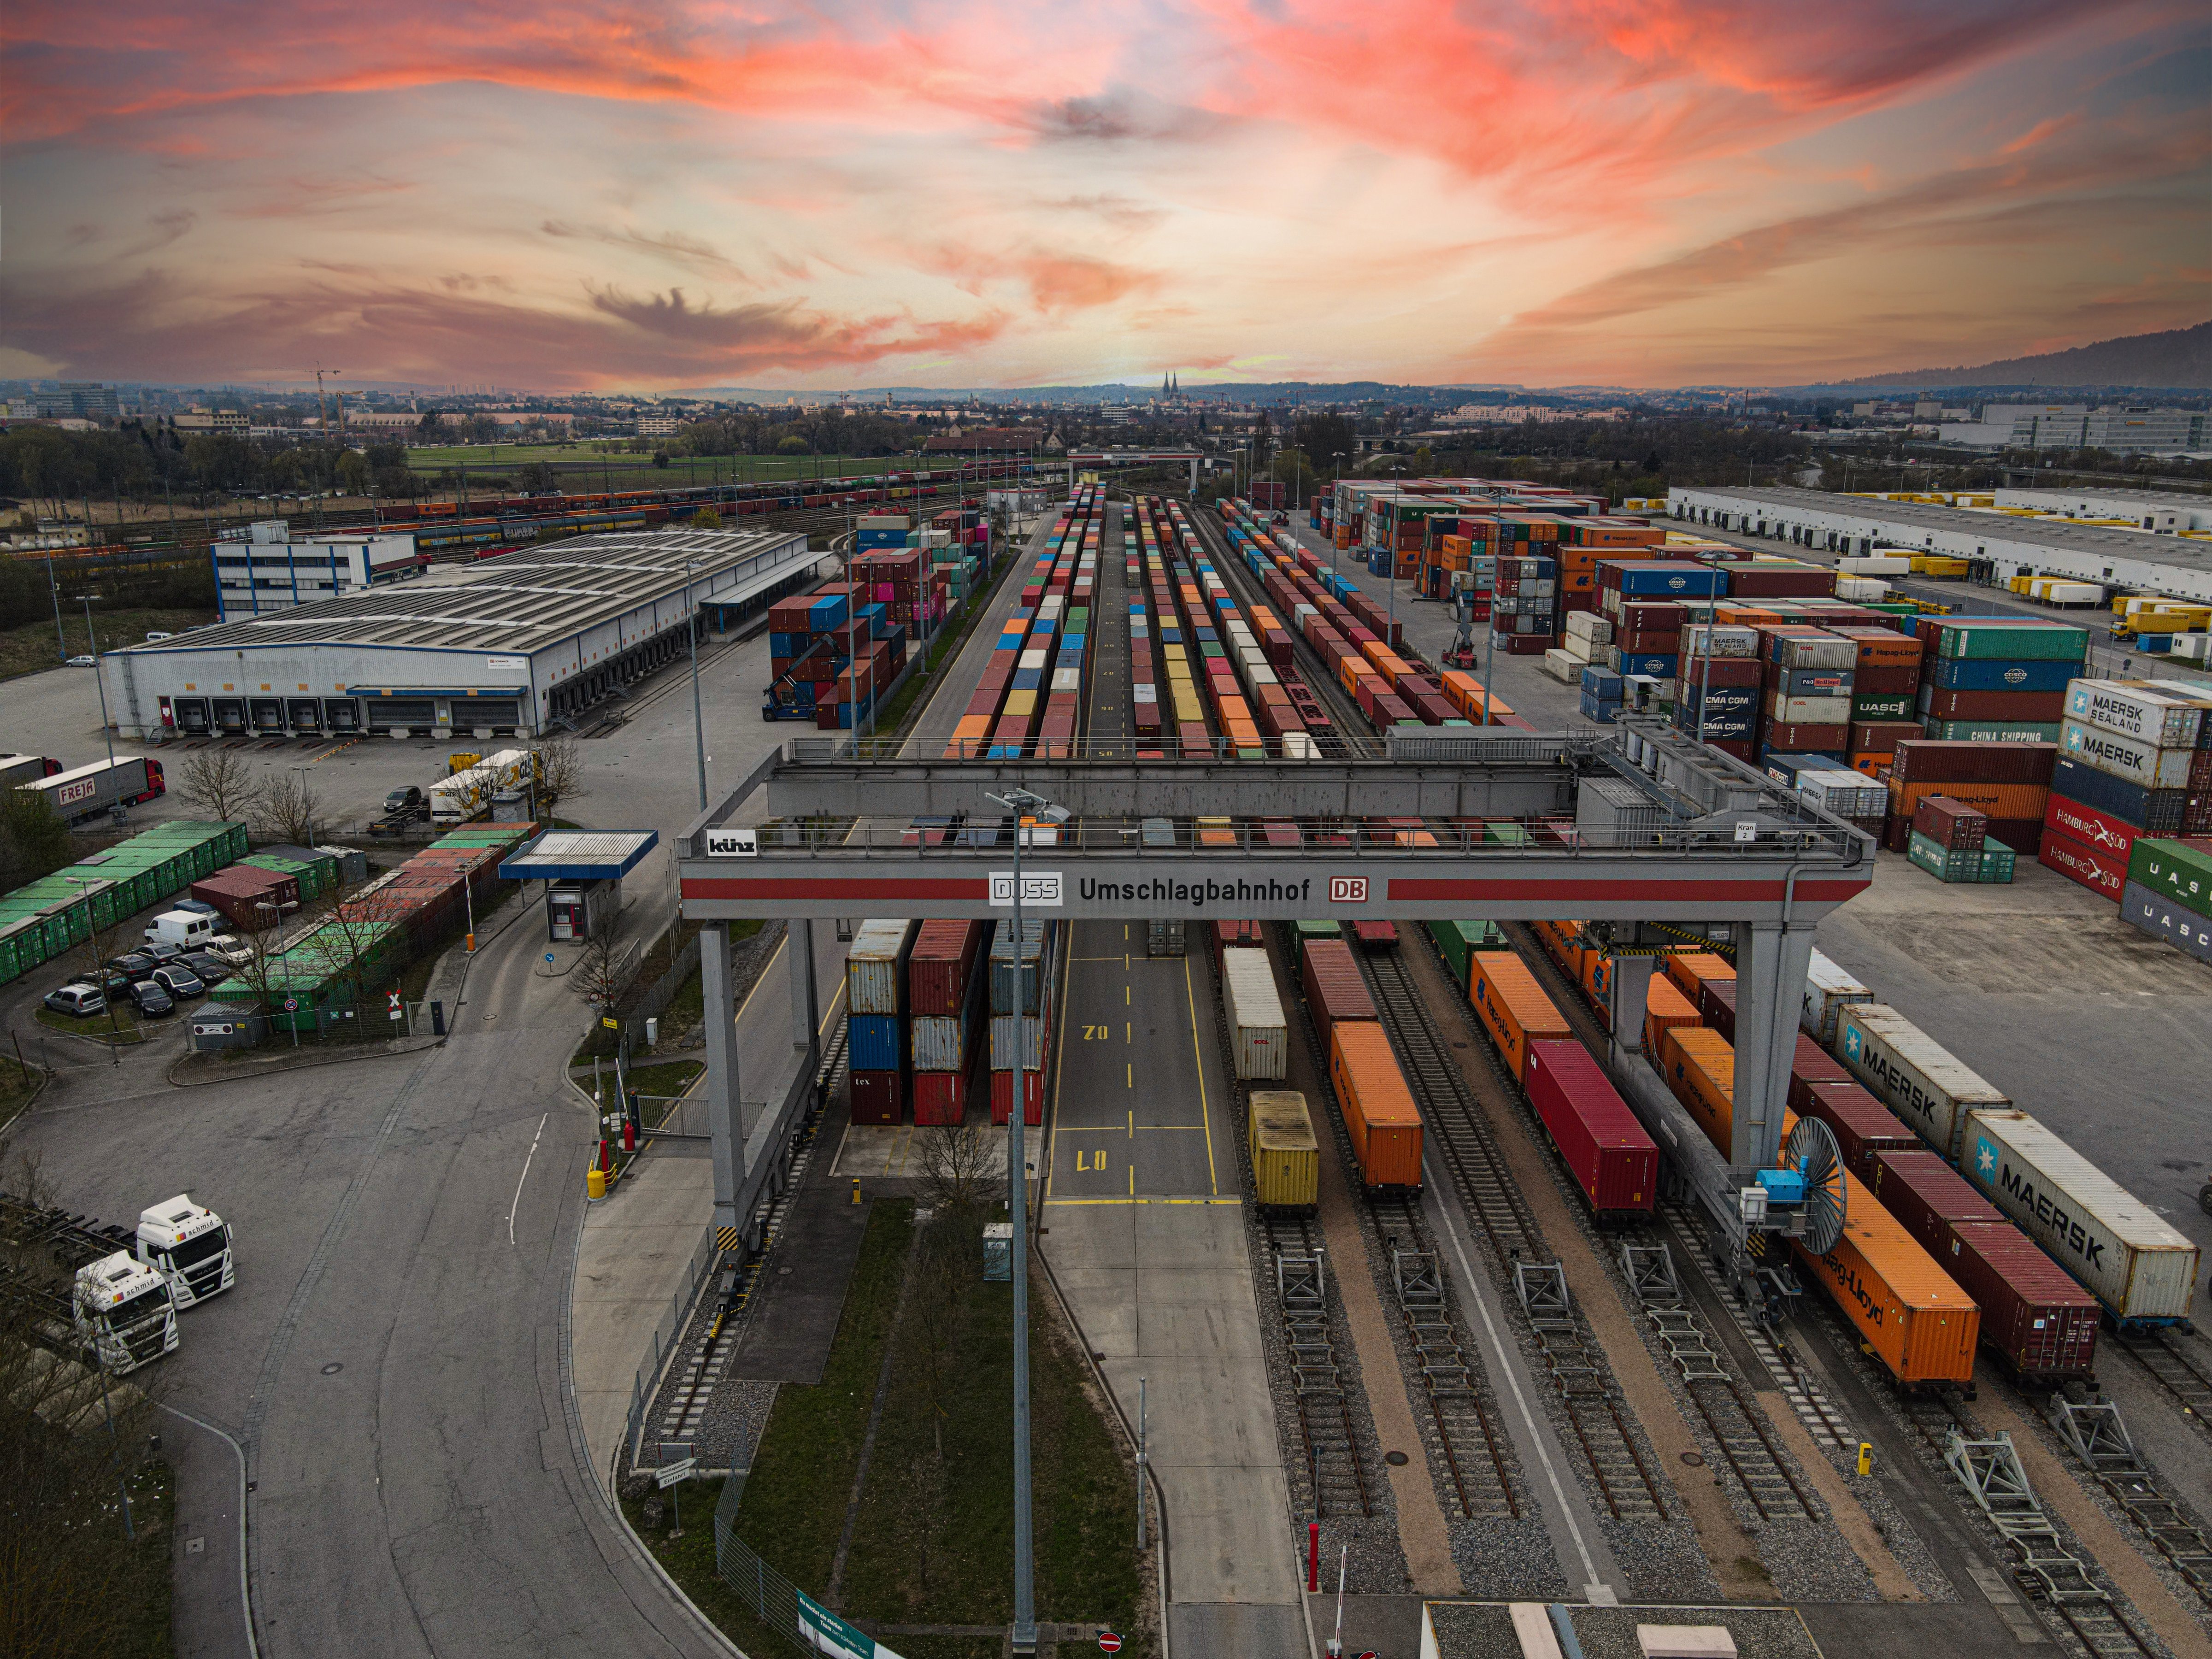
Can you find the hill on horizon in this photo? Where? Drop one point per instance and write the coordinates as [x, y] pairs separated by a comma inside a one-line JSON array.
[[2177, 357]]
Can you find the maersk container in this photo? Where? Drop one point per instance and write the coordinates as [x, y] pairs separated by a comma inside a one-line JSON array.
[[2116, 1246], [1915, 1076], [2135, 711], [2131, 758], [1259, 1038], [875, 967], [1829, 990]]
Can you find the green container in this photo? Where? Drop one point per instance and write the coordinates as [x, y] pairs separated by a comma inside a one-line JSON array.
[[1506, 834], [2174, 870], [1990, 731], [1320, 930], [1458, 941], [1945, 866], [1996, 864], [2016, 641], [1882, 706]]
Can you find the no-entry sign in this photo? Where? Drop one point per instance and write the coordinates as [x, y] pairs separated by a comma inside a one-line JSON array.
[[1108, 1643]]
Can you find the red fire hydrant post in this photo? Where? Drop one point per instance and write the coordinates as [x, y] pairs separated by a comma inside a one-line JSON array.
[[629, 1136], [1313, 1555]]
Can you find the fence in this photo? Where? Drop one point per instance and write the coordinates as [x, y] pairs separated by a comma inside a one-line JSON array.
[[645, 1383], [774, 1600]]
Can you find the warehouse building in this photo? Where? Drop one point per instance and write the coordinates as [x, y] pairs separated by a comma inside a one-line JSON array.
[[1996, 546], [262, 567], [510, 646]]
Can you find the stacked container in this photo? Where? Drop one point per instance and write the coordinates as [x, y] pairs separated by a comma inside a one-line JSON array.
[[875, 1026], [1807, 681], [42, 919], [2168, 893], [1021, 980], [1990, 679], [2135, 760], [1950, 841], [1716, 693], [2009, 783], [946, 987]]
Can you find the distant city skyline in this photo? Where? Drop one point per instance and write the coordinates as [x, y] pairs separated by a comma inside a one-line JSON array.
[[979, 194]]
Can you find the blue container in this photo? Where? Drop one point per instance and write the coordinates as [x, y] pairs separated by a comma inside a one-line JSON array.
[[827, 614], [1972, 674], [848, 713], [788, 645], [1658, 665], [2158, 643], [1027, 679], [1602, 683], [1604, 710], [2154, 811], [874, 1043], [869, 540], [1670, 581]]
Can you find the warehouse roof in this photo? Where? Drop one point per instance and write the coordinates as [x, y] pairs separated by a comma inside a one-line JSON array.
[[2055, 533], [520, 602]]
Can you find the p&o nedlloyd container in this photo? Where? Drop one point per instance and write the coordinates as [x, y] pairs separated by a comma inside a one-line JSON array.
[[1258, 1035], [1828, 988], [1915, 1076], [2116, 1246]]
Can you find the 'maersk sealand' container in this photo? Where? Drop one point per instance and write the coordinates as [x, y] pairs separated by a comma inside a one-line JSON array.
[[1285, 1157], [2112, 1242], [2135, 711], [1260, 1041], [1915, 1076]]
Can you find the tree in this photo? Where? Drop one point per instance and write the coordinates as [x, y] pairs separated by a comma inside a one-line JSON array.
[[34, 840], [793, 444], [604, 970], [560, 773], [962, 1168], [353, 473], [705, 519], [219, 784], [288, 806]]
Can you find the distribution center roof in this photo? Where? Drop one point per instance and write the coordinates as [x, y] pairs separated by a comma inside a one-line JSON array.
[[519, 602], [580, 855]]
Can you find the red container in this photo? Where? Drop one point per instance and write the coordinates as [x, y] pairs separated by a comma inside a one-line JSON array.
[[1951, 825], [1996, 705], [1882, 736], [1375, 935], [240, 891], [1929, 760], [942, 965], [878, 1096], [941, 1097], [2098, 871], [1733, 672], [1811, 1064], [1334, 988], [2092, 829], [1807, 739], [2043, 1324], [1230, 935], [1604, 1147], [1717, 1006], [1002, 1096], [1885, 679], [1926, 1195], [2023, 835], [1861, 1124]]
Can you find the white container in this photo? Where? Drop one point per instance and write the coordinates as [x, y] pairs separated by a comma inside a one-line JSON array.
[[2076, 593], [1259, 1038], [1809, 711], [939, 1043], [2144, 764], [1589, 625], [1727, 641], [1828, 991], [1876, 564], [1564, 666], [2110, 1240], [1910, 1072], [875, 967], [1580, 647], [1846, 794], [2134, 711], [1862, 590], [1832, 650]]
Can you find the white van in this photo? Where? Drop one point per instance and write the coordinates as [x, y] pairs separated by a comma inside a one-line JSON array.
[[159, 634], [185, 929]]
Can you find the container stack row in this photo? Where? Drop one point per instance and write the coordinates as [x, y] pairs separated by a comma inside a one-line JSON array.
[[2134, 764], [1023, 974], [42, 920]]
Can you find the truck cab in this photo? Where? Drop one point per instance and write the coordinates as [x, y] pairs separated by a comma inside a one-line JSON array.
[[189, 1245], [124, 1314]]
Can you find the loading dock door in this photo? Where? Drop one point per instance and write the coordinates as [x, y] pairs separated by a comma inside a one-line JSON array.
[[230, 714], [304, 714], [342, 713], [192, 714], [268, 713], [408, 714]]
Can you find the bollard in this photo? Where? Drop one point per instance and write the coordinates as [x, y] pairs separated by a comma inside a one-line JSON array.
[[629, 1136], [1313, 1556], [856, 1189], [595, 1182], [1865, 1457], [471, 945]]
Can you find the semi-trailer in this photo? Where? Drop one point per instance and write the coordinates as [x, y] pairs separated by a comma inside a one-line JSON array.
[[83, 1291], [84, 793]]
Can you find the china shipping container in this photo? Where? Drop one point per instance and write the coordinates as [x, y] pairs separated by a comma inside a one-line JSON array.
[[2116, 1246], [1379, 1114], [2036, 1318], [1333, 985], [875, 967], [1285, 1157], [1259, 1038], [1599, 1138], [1915, 1076], [1916, 1320], [1513, 1008]]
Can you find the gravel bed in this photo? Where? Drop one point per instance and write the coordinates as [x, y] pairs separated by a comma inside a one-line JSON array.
[[1661, 1560], [1513, 1559], [1897, 1530], [735, 1419], [1484, 1630]]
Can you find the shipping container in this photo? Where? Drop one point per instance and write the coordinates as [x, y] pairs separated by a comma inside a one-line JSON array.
[[1379, 1114], [941, 966], [1035, 969], [875, 967], [878, 1096], [1599, 1138], [1258, 1039], [1925, 1195], [2177, 924], [2157, 718], [2177, 872], [1334, 988], [2116, 1246], [1698, 1064], [1829, 990], [1664, 1008], [2130, 759], [875, 1042], [1458, 941], [1512, 1007], [1285, 1157], [941, 1097], [1915, 1076], [1690, 969], [1811, 1064], [2036, 1318], [1003, 1084], [1920, 1324], [1861, 1124]]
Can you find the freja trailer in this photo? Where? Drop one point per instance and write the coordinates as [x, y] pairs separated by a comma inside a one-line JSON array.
[[85, 792]]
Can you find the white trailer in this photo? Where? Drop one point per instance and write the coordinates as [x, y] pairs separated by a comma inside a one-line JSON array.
[[467, 793]]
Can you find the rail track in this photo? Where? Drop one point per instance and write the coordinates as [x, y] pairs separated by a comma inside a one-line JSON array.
[[1334, 1465], [2183, 1377]]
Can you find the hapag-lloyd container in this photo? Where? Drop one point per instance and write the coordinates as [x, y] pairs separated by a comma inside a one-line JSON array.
[[2131, 758], [1260, 1039], [2114, 1244], [2135, 711], [1915, 1076], [1828, 989]]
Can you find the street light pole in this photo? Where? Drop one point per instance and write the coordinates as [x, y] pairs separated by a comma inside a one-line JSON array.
[[93, 640], [698, 718]]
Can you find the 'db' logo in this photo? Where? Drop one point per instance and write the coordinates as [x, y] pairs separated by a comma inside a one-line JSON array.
[[1347, 889]]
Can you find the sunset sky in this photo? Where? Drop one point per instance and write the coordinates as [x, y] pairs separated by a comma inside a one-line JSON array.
[[624, 195]]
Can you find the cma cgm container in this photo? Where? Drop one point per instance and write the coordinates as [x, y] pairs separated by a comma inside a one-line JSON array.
[[1333, 985], [1285, 1157], [1258, 1040], [1604, 1147], [1917, 1077], [1905, 1308], [2116, 1246], [1379, 1113], [2037, 1318], [1513, 1008]]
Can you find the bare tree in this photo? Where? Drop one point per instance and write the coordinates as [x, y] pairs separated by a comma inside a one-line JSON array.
[[287, 809], [220, 783], [560, 774], [962, 1168], [607, 966], [265, 933]]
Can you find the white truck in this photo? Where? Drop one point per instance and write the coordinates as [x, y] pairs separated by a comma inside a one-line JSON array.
[[187, 930], [467, 793], [189, 1245], [116, 1313]]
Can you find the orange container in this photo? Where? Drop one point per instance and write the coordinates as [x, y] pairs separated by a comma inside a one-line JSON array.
[[1664, 1008], [1700, 1065], [1918, 1322], [1999, 800], [1512, 1006], [1883, 648], [970, 739], [1350, 671], [1690, 969], [1379, 1112]]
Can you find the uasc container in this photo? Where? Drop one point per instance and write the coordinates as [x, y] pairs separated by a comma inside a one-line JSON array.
[[1603, 1146], [1379, 1113], [1905, 1308], [1259, 1038], [1914, 1075], [2116, 1246], [1285, 1157], [1513, 1008]]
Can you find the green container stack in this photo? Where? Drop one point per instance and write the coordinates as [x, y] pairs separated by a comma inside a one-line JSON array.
[[317, 876], [1992, 864], [44, 919]]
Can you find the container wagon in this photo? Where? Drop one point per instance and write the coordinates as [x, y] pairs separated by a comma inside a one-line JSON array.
[[1334, 988], [1285, 1157], [86, 792], [1379, 1114], [1910, 1313], [1458, 941], [1913, 1074], [1513, 1008], [1599, 1138], [1259, 1038]]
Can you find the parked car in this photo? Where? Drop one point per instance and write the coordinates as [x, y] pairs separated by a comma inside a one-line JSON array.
[[81, 1000], [406, 801], [151, 1000], [159, 634], [226, 949], [164, 952], [180, 983], [136, 964], [83, 662], [210, 970]]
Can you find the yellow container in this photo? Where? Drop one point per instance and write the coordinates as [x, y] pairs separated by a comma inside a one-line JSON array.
[[1285, 1157]]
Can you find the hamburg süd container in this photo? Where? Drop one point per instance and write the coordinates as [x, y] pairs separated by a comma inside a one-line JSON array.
[[1918, 1322], [1513, 1008], [2116, 1246], [1285, 1157], [1259, 1038], [1603, 1146], [1913, 1074], [1828, 988], [2034, 1314], [1379, 1114]]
